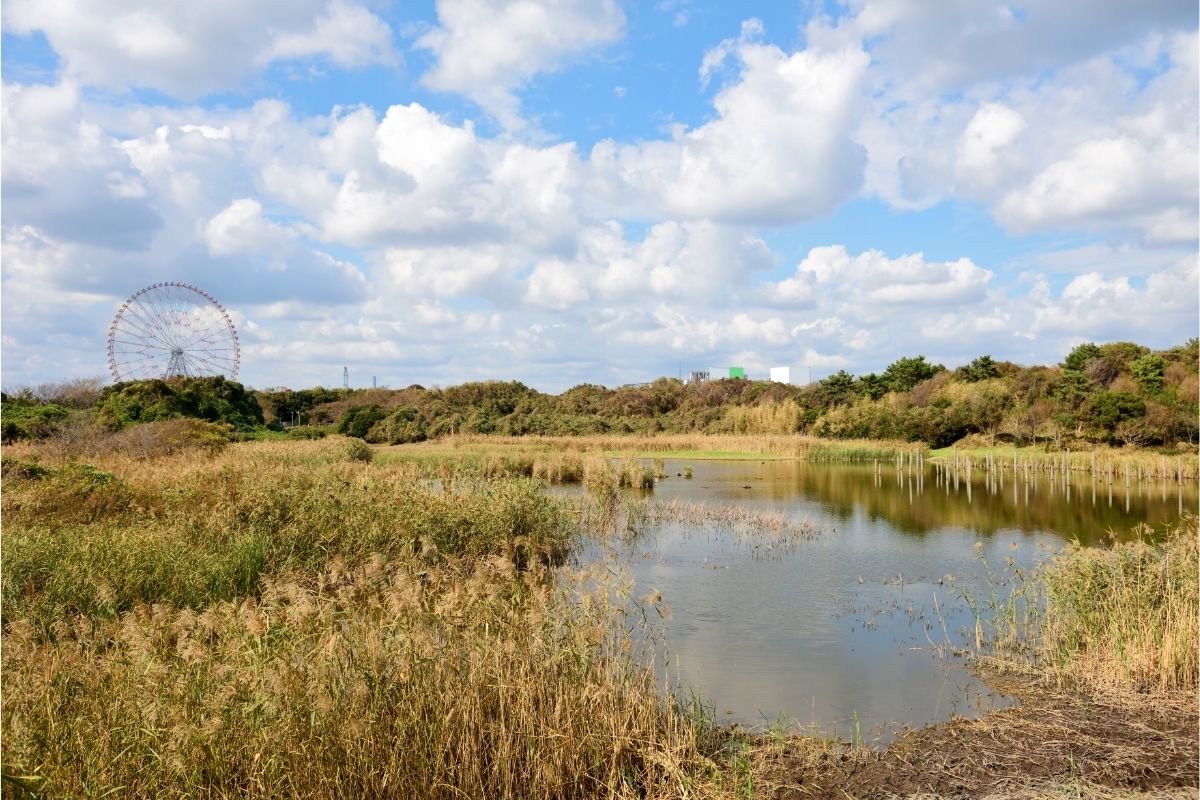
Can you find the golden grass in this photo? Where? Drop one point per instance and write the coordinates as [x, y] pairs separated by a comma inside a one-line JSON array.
[[189, 531], [1119, 619], [284, 620], [280, 619], [1127, 616], [698, 445], [1109, 463], [391, 679]]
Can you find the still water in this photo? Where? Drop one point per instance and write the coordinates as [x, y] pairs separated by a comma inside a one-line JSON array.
[[846, 633]]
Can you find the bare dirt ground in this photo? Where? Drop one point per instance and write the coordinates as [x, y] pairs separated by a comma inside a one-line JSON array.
[[1054, 744]]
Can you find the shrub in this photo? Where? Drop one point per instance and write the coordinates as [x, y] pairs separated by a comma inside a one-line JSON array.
[[358, 420], [213, 399], [25, 418], [358, 450]]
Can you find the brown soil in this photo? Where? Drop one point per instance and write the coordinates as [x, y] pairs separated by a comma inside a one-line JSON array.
[[1054, 744]]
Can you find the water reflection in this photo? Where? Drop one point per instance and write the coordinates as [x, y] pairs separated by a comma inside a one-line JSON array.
[[850, 630], [917, 501]]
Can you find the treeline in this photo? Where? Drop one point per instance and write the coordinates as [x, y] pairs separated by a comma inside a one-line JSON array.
[[1117, 393], [86, 404]]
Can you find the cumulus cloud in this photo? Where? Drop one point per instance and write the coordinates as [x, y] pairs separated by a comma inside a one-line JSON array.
[[778, 150], [1091, 145], [968, 42], [1112, 180], [832, 274], [487, 49], [192, 49], [64, 175], [242, 228]]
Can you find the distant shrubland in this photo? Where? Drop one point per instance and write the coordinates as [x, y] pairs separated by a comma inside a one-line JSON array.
[[1113, 394], [1117, 394]]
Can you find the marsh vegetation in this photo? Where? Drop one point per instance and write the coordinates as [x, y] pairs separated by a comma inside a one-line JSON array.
[[187, 615]]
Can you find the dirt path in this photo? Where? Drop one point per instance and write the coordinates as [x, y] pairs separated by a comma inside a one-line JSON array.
[[1053, 744]]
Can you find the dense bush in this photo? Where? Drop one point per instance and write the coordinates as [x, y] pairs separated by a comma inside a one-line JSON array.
[[213, 399], [358, 420], [23, 417]]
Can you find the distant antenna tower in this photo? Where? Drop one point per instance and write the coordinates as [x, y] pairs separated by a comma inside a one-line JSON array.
[[345, 377]]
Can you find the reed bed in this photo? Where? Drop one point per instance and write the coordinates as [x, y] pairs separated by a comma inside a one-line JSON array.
[[389, 680], [770, 526], [692, 445], [287, 620], [1120, 619], [1106, 464], [81, 539], [1128, 616]]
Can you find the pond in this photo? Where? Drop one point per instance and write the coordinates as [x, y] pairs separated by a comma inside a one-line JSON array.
[[849, 633]]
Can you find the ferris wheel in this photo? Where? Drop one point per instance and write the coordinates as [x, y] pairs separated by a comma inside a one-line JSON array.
[[172, 329]]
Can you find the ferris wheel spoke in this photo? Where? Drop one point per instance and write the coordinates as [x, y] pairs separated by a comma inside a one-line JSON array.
[[142, 343], [131, 318], [162, 312], [154, 327], [142, 368], [207, 362], [199, 336]]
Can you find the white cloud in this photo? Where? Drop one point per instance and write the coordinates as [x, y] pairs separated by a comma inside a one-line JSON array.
[[832, 275], [1091, 145], [486, 49], [192, 49], [348, 34], [241, 227], [986, 149], [970, 42], [778, 150], [1112, 180], [555, 284], [409, 243]]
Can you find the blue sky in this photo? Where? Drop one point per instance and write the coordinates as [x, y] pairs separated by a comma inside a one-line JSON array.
[[560, 191]]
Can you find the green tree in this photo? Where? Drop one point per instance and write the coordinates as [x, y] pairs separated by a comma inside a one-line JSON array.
[[905, 373], [981, 369], [1078, 358], [1106, 410], [837, 389], [1148, 371], [872, 386]]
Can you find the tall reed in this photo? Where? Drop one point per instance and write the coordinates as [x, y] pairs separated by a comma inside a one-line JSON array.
[[389, 680], [1123, 618], [1127, 616]]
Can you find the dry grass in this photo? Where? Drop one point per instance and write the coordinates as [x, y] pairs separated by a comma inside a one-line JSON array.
[[1126, 617], [284, 620], [1116, 620], [769, 526], [281, 620], [1109, 464], [386, 680], [1053, 745], [188, 531], [697, 445]]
